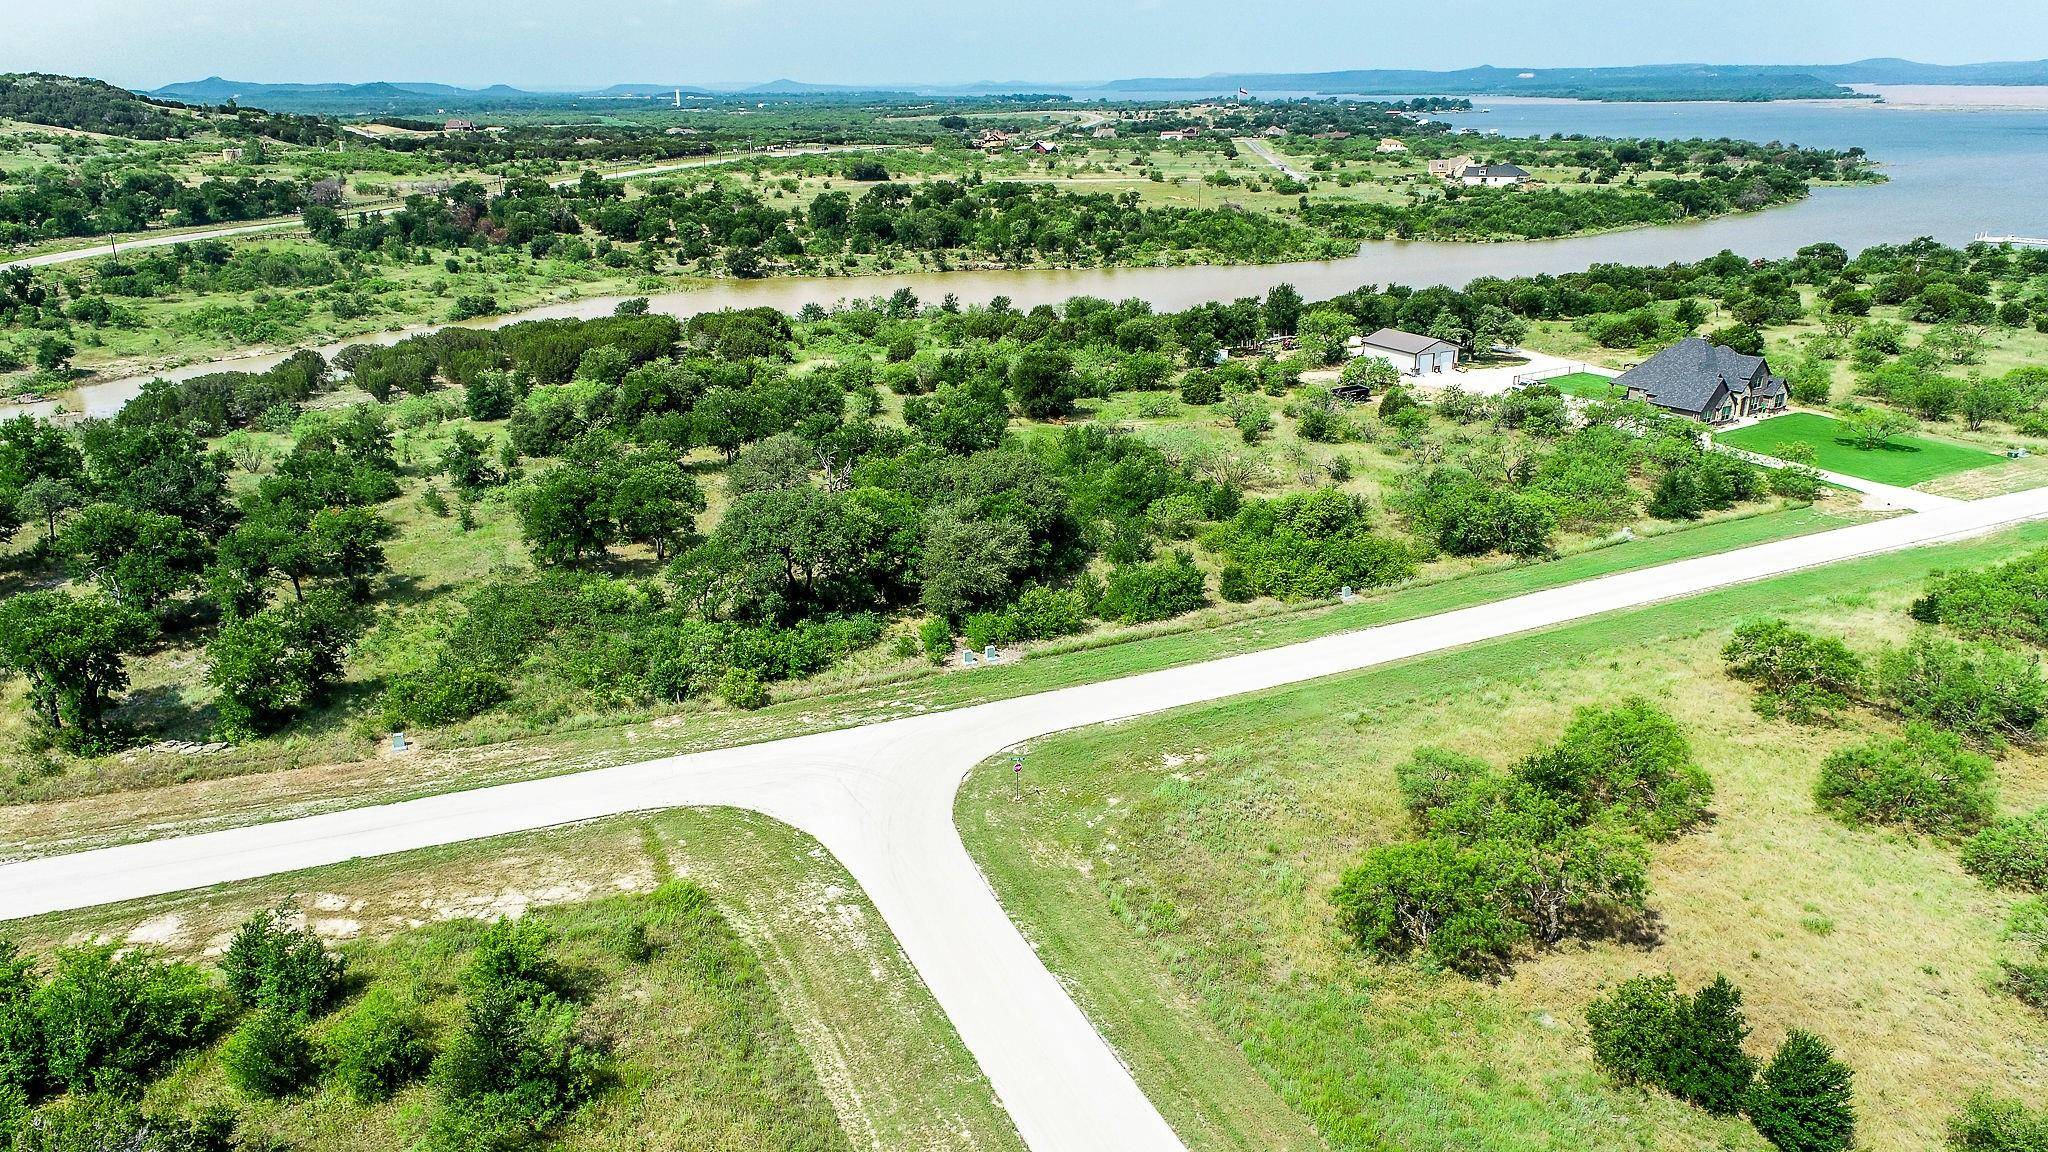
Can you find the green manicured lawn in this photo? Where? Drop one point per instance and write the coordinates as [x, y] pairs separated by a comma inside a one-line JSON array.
[[1175, 871], [1585, 385], [1906, 461]]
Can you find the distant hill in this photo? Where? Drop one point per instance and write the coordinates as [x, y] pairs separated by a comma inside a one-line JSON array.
[[1645, 82], [88, 105], [2005, 73], [1650, 82]]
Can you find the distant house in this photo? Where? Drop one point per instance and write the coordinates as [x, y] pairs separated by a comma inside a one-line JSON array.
[[993, 140], [1391, 146], [1106, 132], [1707, 382], [459, 126], [1272, 131], [1181, 134], [1449, 168], [231, 155], [1044, 147], [1492, 176], [1340, 134], [1413, 355]]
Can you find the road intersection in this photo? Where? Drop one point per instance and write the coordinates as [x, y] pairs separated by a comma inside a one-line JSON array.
[[880, 797]]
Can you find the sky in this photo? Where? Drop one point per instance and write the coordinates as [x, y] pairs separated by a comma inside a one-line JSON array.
[[591, 43]]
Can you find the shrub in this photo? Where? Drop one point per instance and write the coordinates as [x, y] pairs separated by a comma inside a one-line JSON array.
[[1990, 1124], [269, 964], [513, 954], [1802, 1100], [448, 691], [1798, 675], [1647, 1032], [268, 1055], [110, 1123], [110, 1018], [377, 1047], [1631, 760], [2013, 853], [1431, 896], [1927, 782], [1503, 862], [1308, 545], [935, 636], [518, 1066], [742, 688], [2005, 602], [21, 1038], [1636, 1028], [1986, 695], [1138, 593]]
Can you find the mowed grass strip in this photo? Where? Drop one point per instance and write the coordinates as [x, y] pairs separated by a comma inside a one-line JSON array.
[[1175, 871], [1905, 461], [1585, 385]]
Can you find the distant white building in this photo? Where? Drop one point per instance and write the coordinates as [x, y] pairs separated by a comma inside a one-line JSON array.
[[1492, 176], [1391, 146]]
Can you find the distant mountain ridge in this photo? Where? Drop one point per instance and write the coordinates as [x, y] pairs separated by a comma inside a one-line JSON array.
[[1639, 82]]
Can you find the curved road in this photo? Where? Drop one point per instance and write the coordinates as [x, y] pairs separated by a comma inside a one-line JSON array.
[[881, 799]]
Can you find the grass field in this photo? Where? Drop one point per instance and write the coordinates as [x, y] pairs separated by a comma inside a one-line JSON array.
[[795, 1023], [1175, 872], [1905, 461], [1585, 385]]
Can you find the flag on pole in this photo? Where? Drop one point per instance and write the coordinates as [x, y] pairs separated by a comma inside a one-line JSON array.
[[1244, 91]]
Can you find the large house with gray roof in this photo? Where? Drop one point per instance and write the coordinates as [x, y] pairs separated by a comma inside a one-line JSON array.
[[1708, 382]]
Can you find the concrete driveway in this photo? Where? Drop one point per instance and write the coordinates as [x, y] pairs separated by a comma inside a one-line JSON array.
[[880, 798]]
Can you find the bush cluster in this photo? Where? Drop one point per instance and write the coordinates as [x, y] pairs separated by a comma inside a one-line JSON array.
[[1552, 849], [1648, 1032]]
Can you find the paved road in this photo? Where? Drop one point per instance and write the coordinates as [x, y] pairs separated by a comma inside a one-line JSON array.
[[881, 799], [160, 239], [1258, 148]]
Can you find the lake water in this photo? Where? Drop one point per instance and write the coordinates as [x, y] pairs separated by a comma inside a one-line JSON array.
[[1954, 173]]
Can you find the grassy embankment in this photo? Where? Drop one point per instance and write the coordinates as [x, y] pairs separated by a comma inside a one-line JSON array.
[[1175, 871], [790, 1022]]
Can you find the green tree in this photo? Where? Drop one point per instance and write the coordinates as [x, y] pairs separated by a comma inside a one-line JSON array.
[[1042, 382], [654, 502], [1322, 333], [1630, 759], [565, 515], [71, 649], [270, 667], [1872, 428], [1985, 694], [141, 559], [1803, 1100], [1282, 311]]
